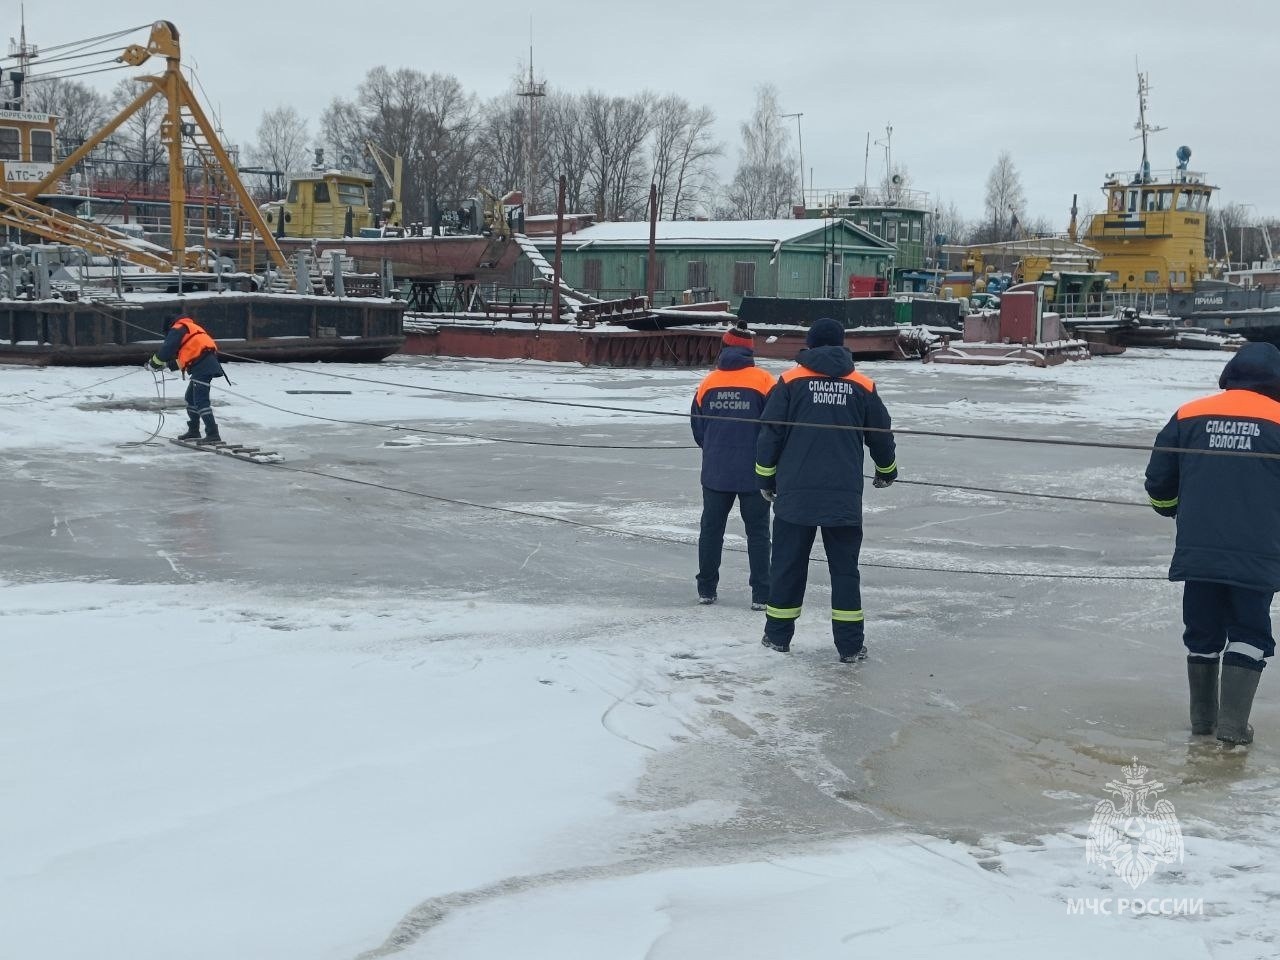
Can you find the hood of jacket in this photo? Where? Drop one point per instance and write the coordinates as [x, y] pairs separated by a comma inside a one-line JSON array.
[[1256, 366], [828, 361], [735, 358]]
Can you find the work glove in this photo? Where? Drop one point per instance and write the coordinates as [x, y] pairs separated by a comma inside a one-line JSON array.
[[883, 480], [155, 363], [1170, 512]]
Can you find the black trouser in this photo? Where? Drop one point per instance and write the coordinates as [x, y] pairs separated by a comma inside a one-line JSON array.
[[716, 505], [790, 572], [198, 404], [1221, 617]]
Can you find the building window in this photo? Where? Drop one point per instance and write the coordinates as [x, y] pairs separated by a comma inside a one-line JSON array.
[[593, 274], [42, 146], [744, 277], [891, 231], [1151, 276], [916, 230], [697, 275], [10, 143]]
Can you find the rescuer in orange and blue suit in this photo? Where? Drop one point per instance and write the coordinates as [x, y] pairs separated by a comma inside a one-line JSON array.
[[809, 462], [188, 347], [723, 417], [1226, 501]]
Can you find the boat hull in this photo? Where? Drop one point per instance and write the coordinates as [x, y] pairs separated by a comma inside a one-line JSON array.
[[256, 326], [419, 258]]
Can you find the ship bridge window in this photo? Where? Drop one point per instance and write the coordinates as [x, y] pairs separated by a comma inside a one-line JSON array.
[[1151, 276], [915, 230], [293, 192], [10, 143], [1185, 199], [42, 146], [1133, 201], [891, 231], [351, 194], [322, 192]]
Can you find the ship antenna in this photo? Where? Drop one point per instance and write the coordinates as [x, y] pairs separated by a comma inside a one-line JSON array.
[[1144, 128]]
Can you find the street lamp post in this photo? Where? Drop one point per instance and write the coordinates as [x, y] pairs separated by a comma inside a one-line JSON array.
[[800, 141]]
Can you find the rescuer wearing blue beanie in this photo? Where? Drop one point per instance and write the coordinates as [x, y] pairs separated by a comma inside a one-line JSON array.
[[814, 477]]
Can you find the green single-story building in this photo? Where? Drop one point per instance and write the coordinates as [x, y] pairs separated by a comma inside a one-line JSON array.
[[723, 259]]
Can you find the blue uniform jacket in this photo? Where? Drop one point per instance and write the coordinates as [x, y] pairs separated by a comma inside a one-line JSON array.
[[818, 472], [735, 389], [1227, 507]]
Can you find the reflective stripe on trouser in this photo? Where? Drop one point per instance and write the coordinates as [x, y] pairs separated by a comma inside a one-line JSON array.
[[789, 575], [197, 397], [1231, 622]]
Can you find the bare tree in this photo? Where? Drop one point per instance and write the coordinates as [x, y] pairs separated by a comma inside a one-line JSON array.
[[1005, 203], [566, 152], [137, 145], [80, 110], [283, 140], [1233, 236], [765, 181], [616, 129], [427, 119], [949, 223], [684, 148], [505, 132]]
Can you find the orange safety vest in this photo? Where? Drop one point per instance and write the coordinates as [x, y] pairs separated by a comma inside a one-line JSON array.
[[195, 343]]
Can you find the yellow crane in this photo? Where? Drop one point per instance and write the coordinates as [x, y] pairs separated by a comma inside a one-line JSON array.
[[393, 209], [184, 118]]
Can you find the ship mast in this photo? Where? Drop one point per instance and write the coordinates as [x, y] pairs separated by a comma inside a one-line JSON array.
[[1144, 128]]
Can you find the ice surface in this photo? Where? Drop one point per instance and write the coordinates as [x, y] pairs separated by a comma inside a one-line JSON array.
[[250, 713]]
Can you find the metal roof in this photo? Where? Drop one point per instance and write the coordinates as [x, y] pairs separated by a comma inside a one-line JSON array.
[[711, 232]]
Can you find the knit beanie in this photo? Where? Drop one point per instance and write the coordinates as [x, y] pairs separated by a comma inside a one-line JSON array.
[[825, 332], [739, 336]]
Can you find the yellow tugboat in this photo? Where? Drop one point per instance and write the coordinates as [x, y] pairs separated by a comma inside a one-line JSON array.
[[1152, 235]]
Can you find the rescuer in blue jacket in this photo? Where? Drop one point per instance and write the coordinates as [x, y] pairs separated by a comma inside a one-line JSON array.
[[723, 417], [1227, 552], [809, 462]]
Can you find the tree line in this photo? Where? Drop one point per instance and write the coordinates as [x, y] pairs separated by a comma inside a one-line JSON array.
[[609, 148]]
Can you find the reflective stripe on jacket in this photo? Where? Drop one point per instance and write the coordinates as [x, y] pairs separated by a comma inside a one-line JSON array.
[[1228, 507]]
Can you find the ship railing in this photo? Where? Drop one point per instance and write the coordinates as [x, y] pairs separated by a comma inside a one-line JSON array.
[[1109, 304], [1131, 177], [844, 197]]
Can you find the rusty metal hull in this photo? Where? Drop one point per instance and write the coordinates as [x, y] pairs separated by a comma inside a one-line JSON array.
[[617, 348], [259, 326], [420, 258]]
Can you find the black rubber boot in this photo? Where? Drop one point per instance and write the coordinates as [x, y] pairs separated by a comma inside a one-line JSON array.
[[193, 431], [211, 434], [1202, 681], [1239, 684]]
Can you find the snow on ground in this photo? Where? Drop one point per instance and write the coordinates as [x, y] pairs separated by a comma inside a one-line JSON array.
[[226, 735]]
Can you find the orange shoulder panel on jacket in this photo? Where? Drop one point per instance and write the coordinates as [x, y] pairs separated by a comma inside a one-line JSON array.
[[863, 381], [1232, 403], [795, 373], [747, 378]]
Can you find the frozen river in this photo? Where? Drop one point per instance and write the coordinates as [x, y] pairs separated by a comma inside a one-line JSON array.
[[254, 712]]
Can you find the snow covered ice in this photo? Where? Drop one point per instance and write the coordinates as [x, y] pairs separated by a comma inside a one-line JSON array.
[[253, 713]]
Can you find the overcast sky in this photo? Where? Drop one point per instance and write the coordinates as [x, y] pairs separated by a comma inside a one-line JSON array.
[[1053, 83]]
